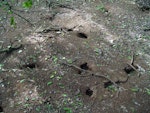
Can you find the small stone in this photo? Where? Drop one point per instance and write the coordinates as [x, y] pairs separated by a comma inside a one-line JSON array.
[[30, 92]]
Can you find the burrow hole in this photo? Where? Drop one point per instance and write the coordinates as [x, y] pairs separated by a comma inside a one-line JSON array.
[[82, 35], [145, 9], [128, 69], [1, 109], [89, 92], [83, 66], [48, 100], [30, 65]]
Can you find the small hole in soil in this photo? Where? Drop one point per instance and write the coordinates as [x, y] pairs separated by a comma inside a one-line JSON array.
[[128, 69], [69, 29], [1, 109], [147, 29], [83, 66], [89, 92], [107, 84], [48, 100], [30, 65], [145, 9], [82, 35], [50, 37]]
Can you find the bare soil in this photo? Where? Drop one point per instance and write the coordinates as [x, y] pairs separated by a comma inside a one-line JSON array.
[[86, 57]]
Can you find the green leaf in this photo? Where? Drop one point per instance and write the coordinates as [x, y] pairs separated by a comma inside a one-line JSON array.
[[12, 21], [112, 88], [101, 8], [68, 110], [52, 76], [146, 37], [135, 89], [1, 4], [27, 4], [70, 61], [49, 83], [147, 91], [1, 66], [55, 59], [64, 95], [10, 12], [23, 80], [38, 109], [26, 105]]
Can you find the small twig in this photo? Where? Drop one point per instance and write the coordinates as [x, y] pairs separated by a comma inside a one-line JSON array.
[[56, 29], [131, 64], [96, 75], [10, 7], [57, 4], [65, 6], [23, 18], [132, 59], [25, 11], [10, 49], [50, 29]]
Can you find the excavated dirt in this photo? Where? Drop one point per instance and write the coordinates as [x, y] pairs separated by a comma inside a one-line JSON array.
[[89, 57]]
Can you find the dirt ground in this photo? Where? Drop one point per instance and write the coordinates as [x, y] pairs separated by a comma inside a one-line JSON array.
[[83, 56]]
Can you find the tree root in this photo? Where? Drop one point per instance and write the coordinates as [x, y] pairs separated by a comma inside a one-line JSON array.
[[57, 29], [131, 64], [23, 18], [11, 49], [97, 75]]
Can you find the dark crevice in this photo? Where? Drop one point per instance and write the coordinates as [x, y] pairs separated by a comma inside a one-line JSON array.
[[48, 100], [83, 66], [1, 109], [128, 69], [145, 8], [107, 84], [82, 35], [146, 29], [89, 92], [69, 29], [30, 65]]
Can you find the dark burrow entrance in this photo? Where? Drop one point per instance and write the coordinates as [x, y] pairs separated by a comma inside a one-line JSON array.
[[89, 92], [1, 109], [83, 66], [128, 69], [82, 35], [30, 65]]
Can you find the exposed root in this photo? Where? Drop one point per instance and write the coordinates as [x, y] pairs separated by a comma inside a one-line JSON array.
[[10, 49], [134, 69], [90, 73], [23, 18], [10, 7], [131, 64], [55, 28], [53, 4]]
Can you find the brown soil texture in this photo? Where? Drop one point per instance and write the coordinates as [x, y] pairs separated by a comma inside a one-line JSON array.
[[81, 56]]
